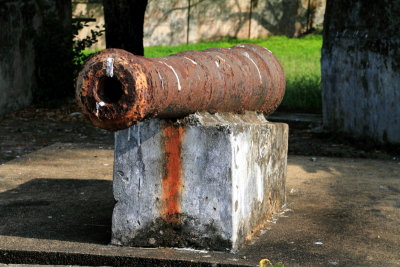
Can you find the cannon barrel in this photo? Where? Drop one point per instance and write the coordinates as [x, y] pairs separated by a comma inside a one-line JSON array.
[[116, 89]]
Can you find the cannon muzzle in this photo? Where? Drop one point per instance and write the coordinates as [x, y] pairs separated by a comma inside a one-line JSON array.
[[116, 89]]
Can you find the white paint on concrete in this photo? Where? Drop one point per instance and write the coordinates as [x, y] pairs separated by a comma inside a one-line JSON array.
[[240, 151], [139, 141], [192, 250]]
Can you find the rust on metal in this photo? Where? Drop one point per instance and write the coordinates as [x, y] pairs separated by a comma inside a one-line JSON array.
[[116, 89], [172, 181]]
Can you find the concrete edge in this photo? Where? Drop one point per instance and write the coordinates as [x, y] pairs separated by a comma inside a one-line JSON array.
[[91, 259]]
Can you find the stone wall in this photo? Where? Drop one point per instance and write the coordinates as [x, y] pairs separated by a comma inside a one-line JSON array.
[[361, 69], [21, 26], [173, 22], [92, 9]]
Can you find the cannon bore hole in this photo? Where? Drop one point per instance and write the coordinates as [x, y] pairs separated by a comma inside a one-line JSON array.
[[110, 90]]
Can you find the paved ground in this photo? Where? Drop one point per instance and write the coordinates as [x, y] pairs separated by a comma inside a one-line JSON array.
[[56, 201], [59, 200]]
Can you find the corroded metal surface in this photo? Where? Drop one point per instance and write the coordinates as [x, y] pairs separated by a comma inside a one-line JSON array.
[[116, 89]]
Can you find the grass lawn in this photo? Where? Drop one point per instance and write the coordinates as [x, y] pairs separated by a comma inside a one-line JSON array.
[[300, 58]]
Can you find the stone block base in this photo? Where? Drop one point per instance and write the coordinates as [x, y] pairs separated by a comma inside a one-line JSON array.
[[207, 181]]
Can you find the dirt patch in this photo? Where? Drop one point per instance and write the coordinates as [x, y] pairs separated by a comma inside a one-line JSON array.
[[33, 128], [339, 211]]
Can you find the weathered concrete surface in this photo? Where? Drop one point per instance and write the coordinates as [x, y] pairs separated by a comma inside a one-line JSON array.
[[17, 55], [360, 69], [173, 22], [351, 206], [208, 181]]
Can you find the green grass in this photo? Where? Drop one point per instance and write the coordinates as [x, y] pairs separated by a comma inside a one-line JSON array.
[[300, 58]]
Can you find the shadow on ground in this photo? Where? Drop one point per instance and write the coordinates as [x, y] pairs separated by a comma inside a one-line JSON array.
[[64, 193], [58, 209], [19, 137]]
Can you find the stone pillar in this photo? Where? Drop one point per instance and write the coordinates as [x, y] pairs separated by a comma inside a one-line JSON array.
[[207, 181], [361, 69], [18, 22], [35, 51]]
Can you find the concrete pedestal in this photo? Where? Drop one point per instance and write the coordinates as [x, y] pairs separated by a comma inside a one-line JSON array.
[[207, 181]]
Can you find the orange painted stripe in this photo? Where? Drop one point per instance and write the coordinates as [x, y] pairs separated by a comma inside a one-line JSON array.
[[172, 181]]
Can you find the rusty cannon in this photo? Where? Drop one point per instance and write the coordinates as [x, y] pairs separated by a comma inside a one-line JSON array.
[[116, 89], [211, 181]]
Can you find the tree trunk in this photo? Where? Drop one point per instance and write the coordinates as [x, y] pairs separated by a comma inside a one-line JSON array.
[[124, 24]]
